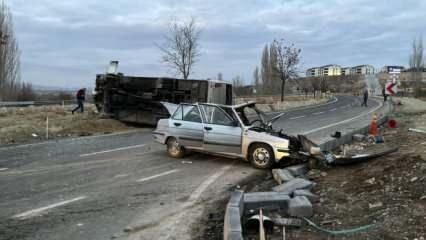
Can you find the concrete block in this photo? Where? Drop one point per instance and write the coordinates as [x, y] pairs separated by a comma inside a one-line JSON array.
[[298, 170], [266, 200], [300, 207], [358, 137], [232, 222], [303, 192], [282, 175], [292, 185], [237, 200], [232, 236]]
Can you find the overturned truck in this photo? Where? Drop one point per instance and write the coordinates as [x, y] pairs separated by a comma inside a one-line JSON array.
[[140, 99]]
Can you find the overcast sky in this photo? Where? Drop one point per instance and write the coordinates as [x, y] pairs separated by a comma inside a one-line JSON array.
[[65, 43]]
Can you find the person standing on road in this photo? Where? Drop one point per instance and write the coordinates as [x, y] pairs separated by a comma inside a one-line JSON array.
[[81, 96], [365, 99], [385, 96]]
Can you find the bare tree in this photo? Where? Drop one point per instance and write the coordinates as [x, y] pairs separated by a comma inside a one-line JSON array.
[[10, 73], [288, 58], [181, 50], [265, 70], [220, 76], [256, 79], [416, 62]]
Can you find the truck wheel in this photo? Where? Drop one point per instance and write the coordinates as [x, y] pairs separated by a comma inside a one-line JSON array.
[[261, 156], [174, 149]]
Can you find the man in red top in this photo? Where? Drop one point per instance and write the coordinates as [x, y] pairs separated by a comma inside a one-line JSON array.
[[81, 96]]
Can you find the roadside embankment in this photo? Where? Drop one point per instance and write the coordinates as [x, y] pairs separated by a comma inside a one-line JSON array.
[[32, 124], [273, 104]]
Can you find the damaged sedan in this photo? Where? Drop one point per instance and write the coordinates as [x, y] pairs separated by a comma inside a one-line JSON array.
[[234, 131]]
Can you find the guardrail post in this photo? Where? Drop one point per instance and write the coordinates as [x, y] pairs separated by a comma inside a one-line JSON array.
[[47, 127]]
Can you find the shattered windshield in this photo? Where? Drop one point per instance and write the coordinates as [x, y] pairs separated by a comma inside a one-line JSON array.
[[249, 115]]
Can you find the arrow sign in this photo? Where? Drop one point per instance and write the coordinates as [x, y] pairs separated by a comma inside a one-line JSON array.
[[391, 88]]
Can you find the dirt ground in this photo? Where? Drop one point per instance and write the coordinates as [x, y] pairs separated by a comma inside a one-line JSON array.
[[389, 191], [26, 125]]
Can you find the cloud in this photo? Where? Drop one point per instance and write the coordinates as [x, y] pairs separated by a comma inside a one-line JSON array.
[[68, 42]]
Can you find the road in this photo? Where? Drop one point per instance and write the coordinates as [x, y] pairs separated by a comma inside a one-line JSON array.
[[124, 186]]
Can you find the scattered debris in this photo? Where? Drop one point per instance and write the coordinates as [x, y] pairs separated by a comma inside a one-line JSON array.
[[375, 205], [417, 130], [186, 162], [414, 179], [337, 135], [358, 137], [282, 175], [371, 181], [292, 185]]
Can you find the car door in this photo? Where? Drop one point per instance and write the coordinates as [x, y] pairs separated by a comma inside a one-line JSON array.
[[186, 125], [222, 133]]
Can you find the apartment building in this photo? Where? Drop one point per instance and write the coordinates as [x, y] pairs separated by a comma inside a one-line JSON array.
[[336, 70], [362, 70], [346, 71], [327, 70]]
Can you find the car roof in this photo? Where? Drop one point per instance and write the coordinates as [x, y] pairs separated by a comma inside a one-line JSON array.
[[223, 105]]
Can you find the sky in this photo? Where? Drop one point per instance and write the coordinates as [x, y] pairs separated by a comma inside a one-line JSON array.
[[66, 43]]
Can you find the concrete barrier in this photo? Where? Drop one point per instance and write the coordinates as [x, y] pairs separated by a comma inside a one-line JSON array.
[[232, 229]]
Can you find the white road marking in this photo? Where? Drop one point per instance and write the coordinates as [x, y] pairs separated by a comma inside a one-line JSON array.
[[344, 121], [332, 110], [306, 107], [191, 201], [112, 150], [121, 175], [317, 113], [296, 117], [38, 211], [203, 186], [70, 139], [3, 169], [157, 175]]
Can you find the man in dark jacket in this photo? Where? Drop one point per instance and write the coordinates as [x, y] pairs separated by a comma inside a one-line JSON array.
[[364, 103], [81, 96], [385, 96]]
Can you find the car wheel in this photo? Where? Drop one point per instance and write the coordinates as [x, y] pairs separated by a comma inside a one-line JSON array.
[[174, 149], [261, 156]]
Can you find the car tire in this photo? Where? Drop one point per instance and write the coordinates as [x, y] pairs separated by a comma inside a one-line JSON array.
[[261, 156], [174, 149]]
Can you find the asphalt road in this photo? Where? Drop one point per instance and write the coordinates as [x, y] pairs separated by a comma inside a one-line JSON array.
[[124, 186]]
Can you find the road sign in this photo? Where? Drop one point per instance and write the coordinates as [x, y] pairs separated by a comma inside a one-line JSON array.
[[391, 88]]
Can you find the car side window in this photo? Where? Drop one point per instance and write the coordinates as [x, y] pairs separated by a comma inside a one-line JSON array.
[[215, 115], [178, 114], [191, 114]]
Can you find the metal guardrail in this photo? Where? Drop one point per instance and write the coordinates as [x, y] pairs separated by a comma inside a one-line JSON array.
[[36, 103]]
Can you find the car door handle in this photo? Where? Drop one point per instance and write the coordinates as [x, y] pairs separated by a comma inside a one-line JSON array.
[[208, 128], [177, 124]]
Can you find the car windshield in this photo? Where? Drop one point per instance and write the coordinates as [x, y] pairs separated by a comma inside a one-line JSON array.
[[249, 115]]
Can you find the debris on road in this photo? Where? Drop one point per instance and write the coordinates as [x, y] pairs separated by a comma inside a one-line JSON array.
[[417, 130]]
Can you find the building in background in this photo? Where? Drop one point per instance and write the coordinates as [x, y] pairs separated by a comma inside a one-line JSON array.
[[346, 71], [362, 70], [336, 70], [313, 72], [327, 70]]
